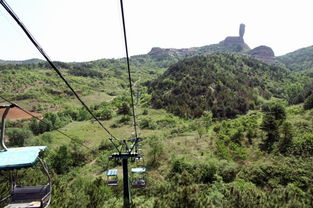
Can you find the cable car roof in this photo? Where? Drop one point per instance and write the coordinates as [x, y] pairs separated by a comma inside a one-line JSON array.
[[112, 172], [21, 157], [138, 170]]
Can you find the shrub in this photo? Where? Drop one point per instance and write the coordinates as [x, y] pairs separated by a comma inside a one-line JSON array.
[[274, 116], [124, 120], [83, 115], [303, 147], [147, 123], [104, 114], [47, 137], [71, 112], [98, 193], [61, 160], [166, 123], [17, 136], [51, 121], [123, 109], [156, 150], [308, 103], [145, 112], [286, 140], [204, 172], [222, 151], [64, 158], [241, 193]]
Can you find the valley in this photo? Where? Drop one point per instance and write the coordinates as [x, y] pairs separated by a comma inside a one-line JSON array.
[[220, 127]]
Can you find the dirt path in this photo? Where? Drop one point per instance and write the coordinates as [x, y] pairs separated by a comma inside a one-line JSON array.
[[16, 114]]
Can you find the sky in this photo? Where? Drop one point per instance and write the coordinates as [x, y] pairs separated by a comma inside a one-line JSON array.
[[77, 30]]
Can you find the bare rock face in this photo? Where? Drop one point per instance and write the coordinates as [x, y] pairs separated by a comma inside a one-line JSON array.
[[156, 50], [170, 53], [264, 54], [236, 42], [230, 44], [242, 30]]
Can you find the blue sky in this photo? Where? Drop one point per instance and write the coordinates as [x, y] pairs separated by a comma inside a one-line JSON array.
[[76, 30]]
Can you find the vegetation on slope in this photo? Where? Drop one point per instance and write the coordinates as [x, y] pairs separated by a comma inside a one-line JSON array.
[[261, 159], [226, 165], [40, 89], [298, 60], [226, 84]]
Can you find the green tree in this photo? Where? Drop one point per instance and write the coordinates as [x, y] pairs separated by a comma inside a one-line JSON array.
[[147, 123], [17, 136], [123, 109], [156, 150], [105, 114], [201, 130], [206, 118], [34, 126], [61, 160], [274, 116], [98, 193], [83, 114], [44, 126], [308, 103], [286, 140]]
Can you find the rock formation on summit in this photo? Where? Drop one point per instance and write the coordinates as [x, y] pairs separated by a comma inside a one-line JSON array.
[[236, 42], [231, 44], [264, 54], [242, 30]]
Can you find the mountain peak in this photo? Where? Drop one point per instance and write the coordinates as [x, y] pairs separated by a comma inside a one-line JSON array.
[[263, 53], [236, 42]]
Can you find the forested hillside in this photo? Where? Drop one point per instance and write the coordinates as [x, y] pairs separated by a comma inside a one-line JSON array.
[[299, 59], [38, 87], [219, 130], [226, 84]]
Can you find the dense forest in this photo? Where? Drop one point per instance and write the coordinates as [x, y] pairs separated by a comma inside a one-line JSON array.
[[219, 130], [298, 60], [225, 84]]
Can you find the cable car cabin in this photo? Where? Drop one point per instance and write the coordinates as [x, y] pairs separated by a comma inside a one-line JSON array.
[[138, 177], [25, 196], [112, 177], [14, 159], [139, 159], [135, 148]]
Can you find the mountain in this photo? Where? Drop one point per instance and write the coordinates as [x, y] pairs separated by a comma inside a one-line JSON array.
[[298, 60], [263, 53], [164, 57], [226, 84], [231, 44], [169, 56], [28, 61]]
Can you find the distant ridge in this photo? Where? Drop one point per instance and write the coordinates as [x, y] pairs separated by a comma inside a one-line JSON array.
[[300, 59], [28, 61], [231, 44], [165, 57]]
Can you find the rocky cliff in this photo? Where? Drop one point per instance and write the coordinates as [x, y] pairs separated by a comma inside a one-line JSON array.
[[229, 45], [263, 53], [236, 42]]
